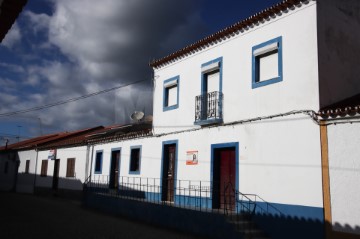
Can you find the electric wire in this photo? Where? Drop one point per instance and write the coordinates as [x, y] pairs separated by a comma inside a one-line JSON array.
[[62, 102]]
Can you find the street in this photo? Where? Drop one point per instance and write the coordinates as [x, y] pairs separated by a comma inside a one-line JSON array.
[[29, 216]]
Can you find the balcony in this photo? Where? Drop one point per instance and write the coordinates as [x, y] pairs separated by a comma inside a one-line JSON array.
[[208, 108]]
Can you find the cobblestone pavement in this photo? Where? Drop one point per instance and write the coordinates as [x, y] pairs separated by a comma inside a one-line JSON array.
[[29, 216]]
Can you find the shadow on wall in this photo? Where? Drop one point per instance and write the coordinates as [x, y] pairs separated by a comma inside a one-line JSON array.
[[135, 204], [299, 227], [65, 187]]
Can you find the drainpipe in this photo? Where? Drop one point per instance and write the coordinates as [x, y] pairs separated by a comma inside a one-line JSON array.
[[92, 156], [87, 162], [36, 162]]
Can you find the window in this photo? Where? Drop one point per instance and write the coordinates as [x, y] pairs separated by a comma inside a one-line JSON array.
[[70, 168], [211, 76], [44, 168], [98, 161], [267, 63], [27, 166], [171, 94], [135, 156]]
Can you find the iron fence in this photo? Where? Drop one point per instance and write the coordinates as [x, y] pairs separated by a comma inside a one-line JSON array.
[[204, 196]]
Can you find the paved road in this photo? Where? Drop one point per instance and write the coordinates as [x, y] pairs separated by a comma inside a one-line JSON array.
[[28, 216]]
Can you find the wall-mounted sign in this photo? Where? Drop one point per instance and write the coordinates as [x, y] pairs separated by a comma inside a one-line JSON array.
[[191, 157], [52, 154]]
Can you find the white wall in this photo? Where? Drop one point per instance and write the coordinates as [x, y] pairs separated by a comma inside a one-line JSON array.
[[298, 90], [25, 182], [344, 163], [73, 183], [279, 159], [339, 49]]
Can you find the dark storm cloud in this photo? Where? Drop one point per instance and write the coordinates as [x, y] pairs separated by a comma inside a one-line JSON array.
[[104, 44]]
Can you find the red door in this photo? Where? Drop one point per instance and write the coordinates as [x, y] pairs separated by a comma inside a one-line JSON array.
[[227, 178]]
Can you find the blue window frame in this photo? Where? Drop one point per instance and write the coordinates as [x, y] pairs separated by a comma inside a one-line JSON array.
[[171, 93], [98, 161], [135, 159], [267, 63]]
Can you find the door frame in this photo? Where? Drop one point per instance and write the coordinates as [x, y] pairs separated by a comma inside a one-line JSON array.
[[164, 144], [221, 146], [112, 150]]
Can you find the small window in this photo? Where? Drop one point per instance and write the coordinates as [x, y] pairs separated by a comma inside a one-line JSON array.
[[98, 161], [267, 63], [171, 94], [44, 168], [27, 166], [70, 168], [135, 157]]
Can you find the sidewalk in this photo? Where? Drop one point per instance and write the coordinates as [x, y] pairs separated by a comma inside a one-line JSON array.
[[28, 216]]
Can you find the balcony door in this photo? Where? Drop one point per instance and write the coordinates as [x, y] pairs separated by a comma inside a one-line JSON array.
[[210, 95]]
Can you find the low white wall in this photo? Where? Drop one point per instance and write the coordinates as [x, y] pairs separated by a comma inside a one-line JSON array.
[[344, 163]]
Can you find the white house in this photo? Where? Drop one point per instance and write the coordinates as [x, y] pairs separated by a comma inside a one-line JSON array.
[[242, 103], [236, 120], [57, 161]]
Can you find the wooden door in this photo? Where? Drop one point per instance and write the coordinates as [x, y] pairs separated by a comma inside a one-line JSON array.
[[224, 177], [168, 182], [227, 179], [114, 169], [55, 183]]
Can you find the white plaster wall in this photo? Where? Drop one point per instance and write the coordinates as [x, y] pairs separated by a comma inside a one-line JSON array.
[[25, 182], [339, 49], [75, 183], [298, 90], [279, 159], [344, 163], [27, 155]]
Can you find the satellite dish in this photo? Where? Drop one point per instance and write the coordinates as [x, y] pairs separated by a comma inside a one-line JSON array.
[[137, 115]]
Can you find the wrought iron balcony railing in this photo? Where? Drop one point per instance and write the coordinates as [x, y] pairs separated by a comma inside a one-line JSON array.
[[208, 108]]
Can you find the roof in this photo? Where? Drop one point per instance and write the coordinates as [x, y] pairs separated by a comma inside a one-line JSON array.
[[121, 132], [228, 32], [54, 140], [72, 139], [94, 135], [344, 108], [9, 11]]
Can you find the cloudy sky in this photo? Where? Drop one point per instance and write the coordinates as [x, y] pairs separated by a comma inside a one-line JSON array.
[[58, 50]]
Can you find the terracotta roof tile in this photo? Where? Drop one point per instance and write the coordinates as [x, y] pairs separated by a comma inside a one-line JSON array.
[[228, 31]]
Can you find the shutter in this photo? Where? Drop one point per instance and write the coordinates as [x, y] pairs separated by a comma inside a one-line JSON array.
[[70, 168]]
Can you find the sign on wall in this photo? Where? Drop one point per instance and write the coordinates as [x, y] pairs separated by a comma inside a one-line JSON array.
[[52, 154], [191, 157]]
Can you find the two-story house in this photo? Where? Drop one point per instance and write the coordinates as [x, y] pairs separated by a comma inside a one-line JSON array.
[[235, 115]]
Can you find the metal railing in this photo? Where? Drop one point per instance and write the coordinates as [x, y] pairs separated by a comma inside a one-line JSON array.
[[204, 196], [208, 106], [190, 194]]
